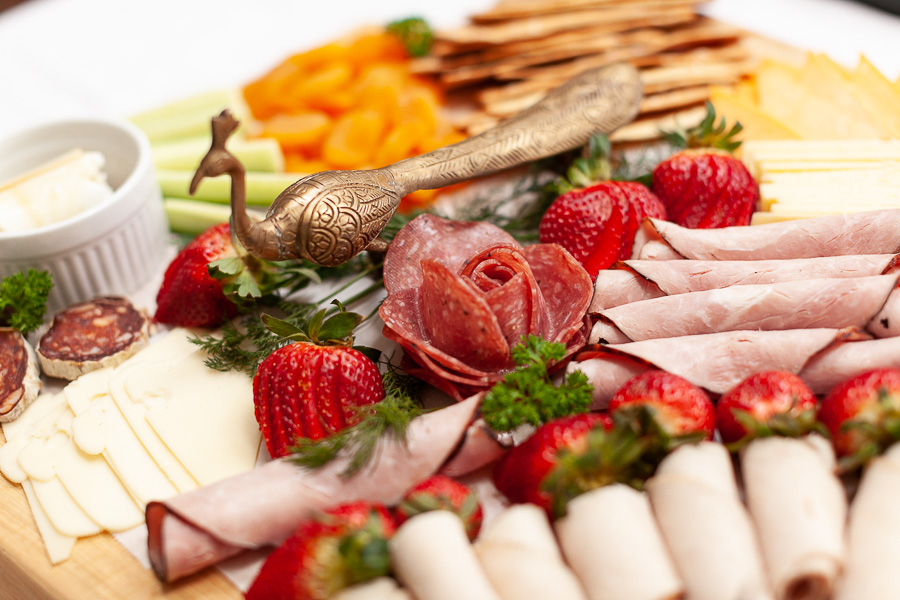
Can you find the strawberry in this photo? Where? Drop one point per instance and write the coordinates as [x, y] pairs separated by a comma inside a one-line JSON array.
[[522, 474], [597, 224], [440, 492], [677, 407], [705, 186], [189, 296], [337, 548], [863, 415], [313, 388], [764, 404]]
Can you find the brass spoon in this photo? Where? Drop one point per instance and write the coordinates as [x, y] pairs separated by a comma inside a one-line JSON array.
[[330, 217]]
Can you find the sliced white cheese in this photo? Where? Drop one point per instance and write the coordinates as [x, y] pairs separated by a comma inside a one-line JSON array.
[[59, 546], [100, 428], [62, 510], [205, 417]]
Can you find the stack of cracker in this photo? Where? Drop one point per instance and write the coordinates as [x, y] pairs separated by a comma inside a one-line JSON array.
[[508, 58]]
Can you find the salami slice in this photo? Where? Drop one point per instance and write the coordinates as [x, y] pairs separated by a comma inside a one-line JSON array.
[[262, 507], [103, 332], [20, 379], [871, 232]]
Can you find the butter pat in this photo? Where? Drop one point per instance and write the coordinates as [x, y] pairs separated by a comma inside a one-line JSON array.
[[66, 186]]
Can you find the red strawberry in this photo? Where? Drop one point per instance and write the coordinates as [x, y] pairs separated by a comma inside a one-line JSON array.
[[310, 389], [597, 224], [706, 187], [767, 403], [679, 408], [522, 473], [440, 492], [189, 295], [338, 548], [863, 414]]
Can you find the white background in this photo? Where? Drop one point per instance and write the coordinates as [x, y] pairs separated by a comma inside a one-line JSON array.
[[113, 58]]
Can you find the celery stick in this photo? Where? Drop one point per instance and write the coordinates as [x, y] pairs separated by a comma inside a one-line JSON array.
[[193, 217], [259, 154], [191, 116], [262, 188]]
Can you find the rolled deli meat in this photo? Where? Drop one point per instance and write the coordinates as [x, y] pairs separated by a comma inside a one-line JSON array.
[[633, 280], [707, 528], [612, 541], [521, 558], [873, 539], [432, 557], [799, 507], [264, 506], [871, 232], [866, 303]]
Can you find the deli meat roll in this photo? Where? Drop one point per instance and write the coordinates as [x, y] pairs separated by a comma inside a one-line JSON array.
[[871, 232], [869, 303], [695, 498], [799, 507], [613, 543], [634, 280], [521, 558], [873, 538], [433, 559], [848, 358]]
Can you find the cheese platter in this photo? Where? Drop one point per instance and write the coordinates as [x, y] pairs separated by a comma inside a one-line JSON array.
[[684, 60]]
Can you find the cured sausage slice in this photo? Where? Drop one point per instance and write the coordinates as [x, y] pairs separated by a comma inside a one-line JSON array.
[[19, 374], [103, 332]]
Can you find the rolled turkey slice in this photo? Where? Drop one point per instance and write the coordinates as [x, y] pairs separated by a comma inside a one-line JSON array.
[[872, 232], [102, 332], [873, 538], [262, 507], [869, 303], [713, 361], [20, 375], [612, 541], [847, 358], [634, 280], [521, 558], [432, 557], [707, 528], [799, 507]]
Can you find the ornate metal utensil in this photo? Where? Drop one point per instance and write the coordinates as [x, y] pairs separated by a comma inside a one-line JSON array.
[[330, 217]]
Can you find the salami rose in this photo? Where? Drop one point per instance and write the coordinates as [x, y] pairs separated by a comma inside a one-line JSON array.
[[461, 294]]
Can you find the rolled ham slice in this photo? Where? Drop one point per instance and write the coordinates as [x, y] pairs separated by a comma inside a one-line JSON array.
[[873, 539], [713, 361], [872, 232], [847, 358], [521, 558], [799, 507], [870, 303], [432, 557], [262, 507], [613, 543], [635, 280], [706, 526]]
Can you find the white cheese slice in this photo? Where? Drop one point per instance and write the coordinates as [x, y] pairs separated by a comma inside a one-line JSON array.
[[100, 428], [62, 510], [59, 546], [205, 417]]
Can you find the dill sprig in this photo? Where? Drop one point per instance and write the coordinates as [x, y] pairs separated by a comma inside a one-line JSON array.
[[528, 394], [390, 417]]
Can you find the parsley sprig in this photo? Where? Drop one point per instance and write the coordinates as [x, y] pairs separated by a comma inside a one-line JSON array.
[[23, 300], [528, 394], [390, 417]]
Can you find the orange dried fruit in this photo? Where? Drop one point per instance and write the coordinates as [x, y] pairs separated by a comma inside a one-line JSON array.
[[354, 138]]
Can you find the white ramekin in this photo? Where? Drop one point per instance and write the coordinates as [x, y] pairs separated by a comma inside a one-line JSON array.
[[111, 249]]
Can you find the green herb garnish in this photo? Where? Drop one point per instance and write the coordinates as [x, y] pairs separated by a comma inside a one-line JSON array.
[[528, 395], [23, 300], [390, 417], [415, 34]]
